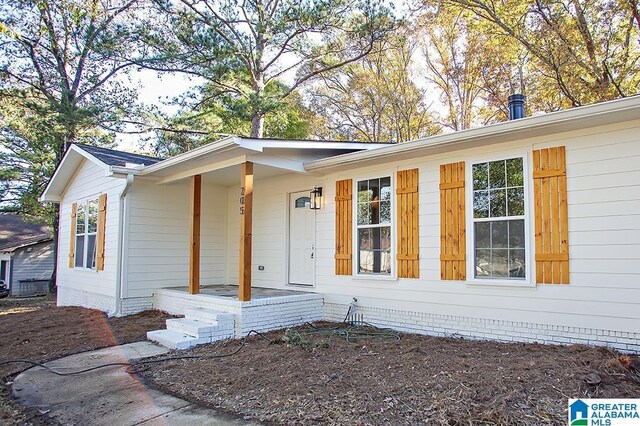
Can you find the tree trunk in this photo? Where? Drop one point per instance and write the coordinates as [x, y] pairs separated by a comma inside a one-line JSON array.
[[257, 125], [60, 150], [53, 288]]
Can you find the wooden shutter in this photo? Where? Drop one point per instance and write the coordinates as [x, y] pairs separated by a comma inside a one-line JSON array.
[[551, 217], [407, 200], [102, 219], [452, 222], [344, 231], [72, 239]]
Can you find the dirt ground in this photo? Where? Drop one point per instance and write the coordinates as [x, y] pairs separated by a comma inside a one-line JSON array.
[[317, 377], [36, 329]]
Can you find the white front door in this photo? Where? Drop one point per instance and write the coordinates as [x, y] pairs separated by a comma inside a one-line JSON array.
[[302, 240]]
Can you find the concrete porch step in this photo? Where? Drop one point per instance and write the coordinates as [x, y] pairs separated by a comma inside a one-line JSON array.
[[175, 340], [199, 326], [193, 327], [209, 316]]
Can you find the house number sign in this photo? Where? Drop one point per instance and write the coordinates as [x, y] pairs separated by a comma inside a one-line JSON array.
[[242, 200]]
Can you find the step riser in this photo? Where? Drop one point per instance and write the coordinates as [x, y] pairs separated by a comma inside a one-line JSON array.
[[226, 333], [209, 316], [186, 344], [196, 330], [175, 340]]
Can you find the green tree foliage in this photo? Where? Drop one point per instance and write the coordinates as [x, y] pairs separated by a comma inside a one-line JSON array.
[[473, 69], [241, 47], [27, 130], [58, 63], [375, 99], [586, 50], [218, 116], [66, 53]]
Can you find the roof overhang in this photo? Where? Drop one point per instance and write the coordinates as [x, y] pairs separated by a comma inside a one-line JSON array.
[[225, 154], [71, 161], [30, 242], [606, 113]]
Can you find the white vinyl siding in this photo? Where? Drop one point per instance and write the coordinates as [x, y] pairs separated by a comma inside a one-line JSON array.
[[157, 242], [603, 179], [88, 183], [270, 228]]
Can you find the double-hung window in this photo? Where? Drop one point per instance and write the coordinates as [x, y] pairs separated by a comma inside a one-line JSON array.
[[499, 219], [86, 234], [374, 226]]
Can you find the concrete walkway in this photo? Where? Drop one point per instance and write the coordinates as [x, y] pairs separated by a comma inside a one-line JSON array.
[[108, 395]]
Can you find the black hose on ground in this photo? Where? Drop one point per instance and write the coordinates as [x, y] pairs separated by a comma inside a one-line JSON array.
[[349, 333]]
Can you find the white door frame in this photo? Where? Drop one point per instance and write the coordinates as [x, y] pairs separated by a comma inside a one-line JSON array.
[[288, 243]]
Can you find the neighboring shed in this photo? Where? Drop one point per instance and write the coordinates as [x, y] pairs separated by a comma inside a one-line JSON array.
[[26, 255]]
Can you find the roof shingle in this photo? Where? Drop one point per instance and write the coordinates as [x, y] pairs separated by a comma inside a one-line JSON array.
[[17, 232], [112, 157]]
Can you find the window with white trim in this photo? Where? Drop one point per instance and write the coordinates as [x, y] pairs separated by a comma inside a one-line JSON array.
[[499, 219], [373, 226], [86, 234]]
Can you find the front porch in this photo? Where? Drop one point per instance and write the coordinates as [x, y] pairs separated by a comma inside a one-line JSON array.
[[217, 313], [223, 210], [260, 242]]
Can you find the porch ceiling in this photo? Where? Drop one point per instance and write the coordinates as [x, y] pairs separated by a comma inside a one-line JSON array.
[[218, 161], [226, 172], [230, 175], [223, 167]]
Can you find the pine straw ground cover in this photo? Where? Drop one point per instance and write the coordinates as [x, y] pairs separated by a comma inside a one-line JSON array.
[[35, 329], [323, 379]]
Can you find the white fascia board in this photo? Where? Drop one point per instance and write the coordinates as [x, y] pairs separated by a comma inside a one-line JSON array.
[[261, 144], [221, 145], [48, 198], [90, 157], [67, 168], [65, 172], [278, 163], [30, 243], [561, 121], [120, 171]]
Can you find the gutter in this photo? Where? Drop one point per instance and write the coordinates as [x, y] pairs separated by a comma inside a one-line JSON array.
[[120, 271], [566, 120]]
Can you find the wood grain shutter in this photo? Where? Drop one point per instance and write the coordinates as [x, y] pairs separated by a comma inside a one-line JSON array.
[[407, 200], [453, 245], [551, 217], [100, 238], [344, 227], [72, 238]]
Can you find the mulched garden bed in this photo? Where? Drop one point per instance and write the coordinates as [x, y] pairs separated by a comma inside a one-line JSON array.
[[305, 376], [37, 330]]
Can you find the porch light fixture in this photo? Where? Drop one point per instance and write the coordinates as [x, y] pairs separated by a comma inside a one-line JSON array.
[[315, 197]]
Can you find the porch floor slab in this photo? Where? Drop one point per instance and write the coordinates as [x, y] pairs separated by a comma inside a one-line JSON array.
[[231, 291], [268, 309]]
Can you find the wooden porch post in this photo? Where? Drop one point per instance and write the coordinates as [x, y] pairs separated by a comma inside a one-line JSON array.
[[194, 251], [246, 229]]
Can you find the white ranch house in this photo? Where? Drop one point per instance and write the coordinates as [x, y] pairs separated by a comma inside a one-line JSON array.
[[527, 230]]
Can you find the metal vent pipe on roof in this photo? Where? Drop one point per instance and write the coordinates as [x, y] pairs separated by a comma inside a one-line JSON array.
[[516, 106]]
